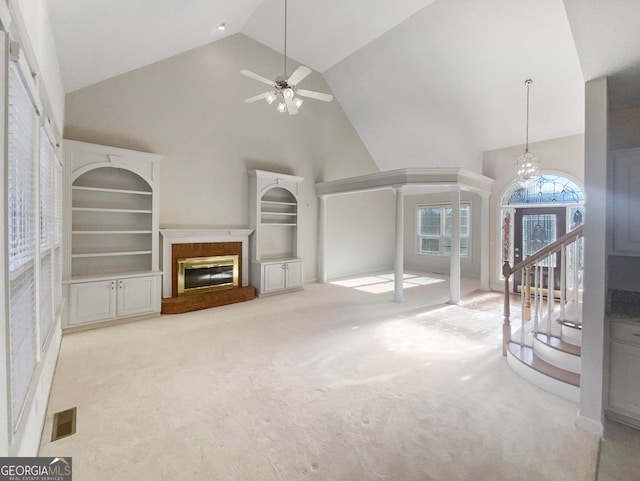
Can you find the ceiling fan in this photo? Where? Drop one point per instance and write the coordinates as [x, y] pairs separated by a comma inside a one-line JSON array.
[[285, 90]]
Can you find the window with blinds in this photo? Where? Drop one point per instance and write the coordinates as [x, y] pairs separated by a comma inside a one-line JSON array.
[[57, 234], [46, 253], [22, 244]]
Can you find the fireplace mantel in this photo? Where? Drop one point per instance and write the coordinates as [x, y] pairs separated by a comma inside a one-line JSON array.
[[184, 235]]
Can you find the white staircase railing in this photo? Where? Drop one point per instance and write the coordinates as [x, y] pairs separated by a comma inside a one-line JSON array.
[[547, 297]]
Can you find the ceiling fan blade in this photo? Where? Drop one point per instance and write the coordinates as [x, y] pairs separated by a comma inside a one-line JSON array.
[[255, 76], [299, 75], [291, 106], [257, 97], [315, 95]]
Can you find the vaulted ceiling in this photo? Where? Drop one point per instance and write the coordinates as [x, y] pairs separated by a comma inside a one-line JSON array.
[[424, 82]]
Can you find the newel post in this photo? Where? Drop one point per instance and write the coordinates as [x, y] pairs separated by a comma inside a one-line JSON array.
[[506, 273], [506, 325]]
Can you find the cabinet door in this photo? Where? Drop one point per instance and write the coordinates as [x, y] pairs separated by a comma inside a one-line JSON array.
[[92, 301], [293, 274], [626, 202], [274, 277], [137, 295], [624, 383]]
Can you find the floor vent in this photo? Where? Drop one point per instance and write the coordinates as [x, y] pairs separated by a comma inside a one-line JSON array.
[[64, 424]]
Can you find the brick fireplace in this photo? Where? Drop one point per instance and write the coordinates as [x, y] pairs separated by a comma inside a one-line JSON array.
[[182, 244]]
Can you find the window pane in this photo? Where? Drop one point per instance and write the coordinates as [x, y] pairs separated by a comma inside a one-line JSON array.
[[430, 221], [429, 245], [447, 220], [464, 246], [447, 245], [464, 220], [538, 231]]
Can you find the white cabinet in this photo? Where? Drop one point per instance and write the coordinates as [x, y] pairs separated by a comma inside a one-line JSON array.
[[274, 214], [108, 299], [92, 301], [111, 231], [137, 295], [626, 202], [281, 275], [624, 379]]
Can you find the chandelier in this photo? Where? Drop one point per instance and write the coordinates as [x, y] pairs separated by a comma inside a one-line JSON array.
[[527, 164]]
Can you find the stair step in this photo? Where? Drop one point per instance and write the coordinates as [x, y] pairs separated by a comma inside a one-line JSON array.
[[553, 379], [571, 324], [558, 344], [555, 351], [571, 332]]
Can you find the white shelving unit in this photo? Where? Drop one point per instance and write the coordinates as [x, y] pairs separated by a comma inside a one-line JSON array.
[[274, 201], [113, 232]]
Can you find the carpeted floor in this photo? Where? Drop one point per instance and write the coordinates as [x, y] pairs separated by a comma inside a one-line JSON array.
[[333, 383]]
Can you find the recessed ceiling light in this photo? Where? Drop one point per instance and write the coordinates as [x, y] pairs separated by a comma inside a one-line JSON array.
[[222, 27]]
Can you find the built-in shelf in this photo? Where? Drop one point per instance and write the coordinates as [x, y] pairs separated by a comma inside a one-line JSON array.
[[113, 228], [109, 232], [274, 215], [278, 202], [109, 254], [102, 209], [109, 190]]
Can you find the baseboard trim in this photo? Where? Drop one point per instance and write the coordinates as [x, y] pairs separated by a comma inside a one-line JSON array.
[[622, 418], [591, 425]]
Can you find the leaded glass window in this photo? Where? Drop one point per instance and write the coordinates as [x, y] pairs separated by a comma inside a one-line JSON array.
[[548, 190]]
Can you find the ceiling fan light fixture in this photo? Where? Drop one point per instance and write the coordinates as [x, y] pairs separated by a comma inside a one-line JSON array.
[[286, 87], [527, 164]]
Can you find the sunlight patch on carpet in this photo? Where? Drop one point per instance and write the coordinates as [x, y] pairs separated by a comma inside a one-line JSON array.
[[380, 284]]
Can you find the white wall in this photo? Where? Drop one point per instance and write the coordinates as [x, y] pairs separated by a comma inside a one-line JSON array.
[[440, 264], [360, 235], [190, 109], [562, 155]]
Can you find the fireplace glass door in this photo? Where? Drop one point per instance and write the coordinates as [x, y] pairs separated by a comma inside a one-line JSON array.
[[207, 273]]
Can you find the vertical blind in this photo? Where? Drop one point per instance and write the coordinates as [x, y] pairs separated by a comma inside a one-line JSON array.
[[57, 234], [46, 254], [22, 240]]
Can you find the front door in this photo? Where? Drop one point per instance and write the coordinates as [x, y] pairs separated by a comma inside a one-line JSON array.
[[534, 229]]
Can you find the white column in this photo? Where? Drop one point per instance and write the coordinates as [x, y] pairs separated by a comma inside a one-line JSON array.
[[322, 232], [398, 292], [485, 252], [454, 270]]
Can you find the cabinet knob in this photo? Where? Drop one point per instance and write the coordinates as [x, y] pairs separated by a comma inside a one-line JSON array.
[[113, 285]]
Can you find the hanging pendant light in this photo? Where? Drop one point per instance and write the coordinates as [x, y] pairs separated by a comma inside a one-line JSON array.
[[527, 165]]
